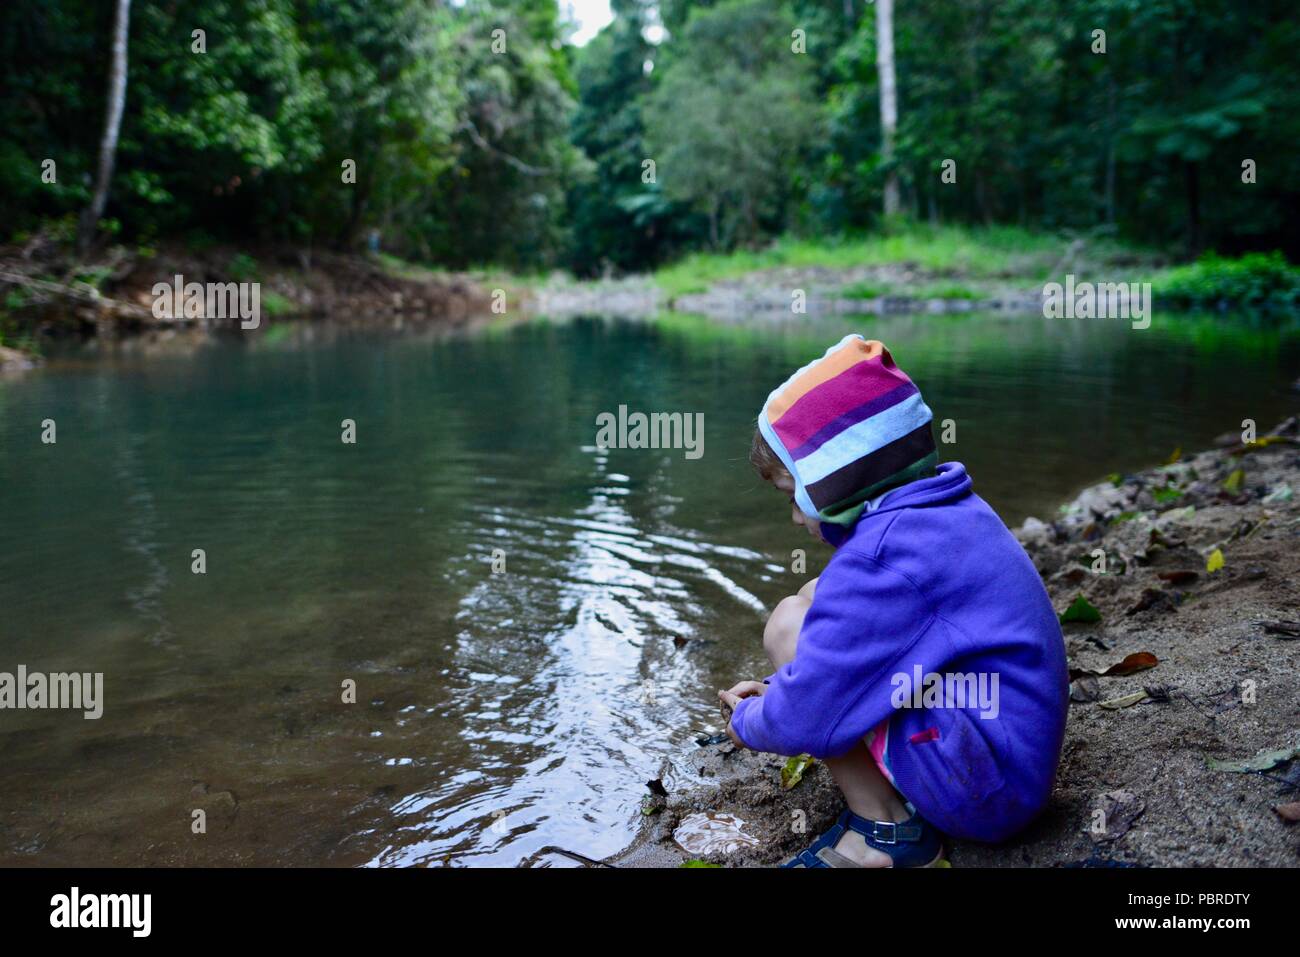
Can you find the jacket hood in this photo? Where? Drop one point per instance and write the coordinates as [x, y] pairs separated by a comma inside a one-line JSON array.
[[848, 426]]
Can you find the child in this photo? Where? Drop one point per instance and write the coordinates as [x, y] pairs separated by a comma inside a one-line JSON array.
[[926, 665]]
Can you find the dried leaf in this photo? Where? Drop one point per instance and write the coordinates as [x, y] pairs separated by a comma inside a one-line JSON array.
[[1132, 664], [1232, 485], [1153, 598], [1085, 688], [1119, 809], [1264, 441], [1282, 493], [1263, 761], [1179, 576], [1126, 701], [1157, 692], [1215, 561], [1138, 661], [1285, 628], [1289, 812]]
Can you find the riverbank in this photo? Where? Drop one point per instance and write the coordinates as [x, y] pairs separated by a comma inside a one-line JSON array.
[[919, 269], [47, 291], [1201, 576]]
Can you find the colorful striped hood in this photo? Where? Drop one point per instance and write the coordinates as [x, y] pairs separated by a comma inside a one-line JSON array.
[[848, 427]]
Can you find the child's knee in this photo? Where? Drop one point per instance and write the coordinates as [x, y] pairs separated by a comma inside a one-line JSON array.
[[782, 632]]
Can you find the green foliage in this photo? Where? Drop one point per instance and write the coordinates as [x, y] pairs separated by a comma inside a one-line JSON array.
[[1082, 611], [274, 304], [729, 118], [532, 156], [243, 268], [1256, 279], [502, 201], [988, 253], [618, 220], [245, 139]]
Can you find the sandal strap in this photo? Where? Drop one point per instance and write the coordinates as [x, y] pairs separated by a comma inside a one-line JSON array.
[[909, 843], [834, 858], [910, 831]]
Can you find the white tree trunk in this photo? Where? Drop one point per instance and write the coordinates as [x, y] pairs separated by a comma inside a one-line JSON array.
[[112, 124], [888, 99]]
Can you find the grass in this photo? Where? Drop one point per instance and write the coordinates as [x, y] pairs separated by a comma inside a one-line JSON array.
[[924, 290], [956, 262], [988, 253]]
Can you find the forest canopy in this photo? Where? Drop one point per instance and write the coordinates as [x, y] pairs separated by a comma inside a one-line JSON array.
[[477, 135]]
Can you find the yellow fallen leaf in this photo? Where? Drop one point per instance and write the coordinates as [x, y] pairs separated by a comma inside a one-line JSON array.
[[1264, 442], [1215, 561], [1127, 701]]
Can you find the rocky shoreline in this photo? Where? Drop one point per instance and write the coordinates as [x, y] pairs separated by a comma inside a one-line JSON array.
[[112, 294], [865, 290], [1193, 565]]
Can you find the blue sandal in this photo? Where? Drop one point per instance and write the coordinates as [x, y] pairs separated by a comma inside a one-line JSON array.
[[910, 843]]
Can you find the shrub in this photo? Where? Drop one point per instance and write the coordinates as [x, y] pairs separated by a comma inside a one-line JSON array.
[[1256, 279]]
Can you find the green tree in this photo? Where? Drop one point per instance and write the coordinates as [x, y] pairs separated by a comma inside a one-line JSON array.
[[503, 199], [619, 221], [730, 116]]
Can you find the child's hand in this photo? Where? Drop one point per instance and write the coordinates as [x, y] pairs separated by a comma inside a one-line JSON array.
[[731, 698]]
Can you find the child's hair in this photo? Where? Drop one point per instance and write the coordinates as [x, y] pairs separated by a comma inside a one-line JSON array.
[[766, 462]]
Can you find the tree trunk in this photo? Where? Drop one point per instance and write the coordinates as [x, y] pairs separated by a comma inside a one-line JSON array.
[[112, 125], [1110, 149], [1193, 181], [888, 100]]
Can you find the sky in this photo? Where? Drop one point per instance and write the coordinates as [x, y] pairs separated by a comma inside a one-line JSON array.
[[588, 15]]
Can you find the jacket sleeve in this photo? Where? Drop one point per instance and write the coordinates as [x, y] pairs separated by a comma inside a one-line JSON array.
[[863, 619]]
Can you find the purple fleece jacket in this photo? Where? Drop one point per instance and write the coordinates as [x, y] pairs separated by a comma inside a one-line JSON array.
[[929, 580]]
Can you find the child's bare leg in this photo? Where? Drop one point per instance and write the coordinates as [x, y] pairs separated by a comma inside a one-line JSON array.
[[866, 791]]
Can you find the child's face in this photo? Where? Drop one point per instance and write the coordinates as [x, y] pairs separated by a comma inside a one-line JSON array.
[[784, 481]]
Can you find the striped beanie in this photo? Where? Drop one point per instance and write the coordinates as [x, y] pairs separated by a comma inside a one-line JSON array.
[[848, 427]]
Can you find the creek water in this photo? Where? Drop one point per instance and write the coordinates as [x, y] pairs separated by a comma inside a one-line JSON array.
[[498, 709]]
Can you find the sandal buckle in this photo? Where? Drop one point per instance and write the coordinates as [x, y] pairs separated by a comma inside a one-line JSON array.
[[893, 832]]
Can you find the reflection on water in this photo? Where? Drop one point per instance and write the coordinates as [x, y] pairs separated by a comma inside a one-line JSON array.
[[499, 709], [568, 668], [708, 833]]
